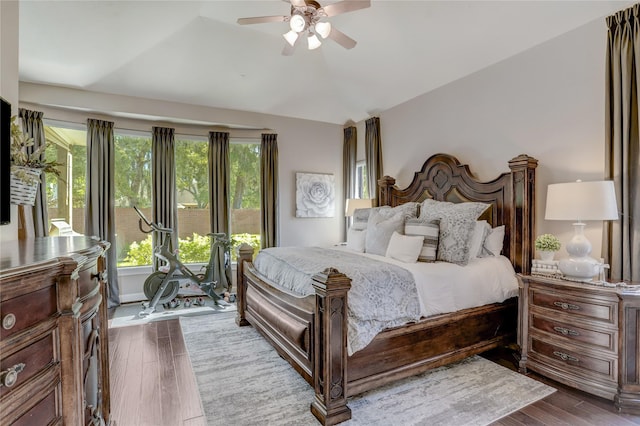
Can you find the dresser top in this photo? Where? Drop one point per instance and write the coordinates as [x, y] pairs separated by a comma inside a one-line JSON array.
[[31, 251], [585, 287]]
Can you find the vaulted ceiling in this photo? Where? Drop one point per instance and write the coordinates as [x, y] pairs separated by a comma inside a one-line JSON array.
[[194, 52]]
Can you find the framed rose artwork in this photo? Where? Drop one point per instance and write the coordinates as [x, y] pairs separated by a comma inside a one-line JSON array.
[[315, 195]]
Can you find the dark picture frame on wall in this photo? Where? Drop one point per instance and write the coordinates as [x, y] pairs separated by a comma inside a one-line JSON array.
[[5, 162]]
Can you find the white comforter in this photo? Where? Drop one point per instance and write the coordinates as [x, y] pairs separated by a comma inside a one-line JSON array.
[[446, 287]]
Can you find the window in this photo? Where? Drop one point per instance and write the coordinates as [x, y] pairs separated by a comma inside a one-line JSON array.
[[66, 193], [132, 188], [192, 191], [362, 188], [244, 159]]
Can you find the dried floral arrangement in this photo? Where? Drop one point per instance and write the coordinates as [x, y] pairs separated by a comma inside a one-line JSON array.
[[21, 160], [547, 242]]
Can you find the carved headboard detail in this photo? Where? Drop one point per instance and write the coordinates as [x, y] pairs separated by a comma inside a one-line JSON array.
[[511, 195]]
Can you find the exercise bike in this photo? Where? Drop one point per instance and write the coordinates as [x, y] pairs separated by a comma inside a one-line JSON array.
[[163, 285]]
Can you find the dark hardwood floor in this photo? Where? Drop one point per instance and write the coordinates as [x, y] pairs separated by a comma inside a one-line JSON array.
[[152, 383]]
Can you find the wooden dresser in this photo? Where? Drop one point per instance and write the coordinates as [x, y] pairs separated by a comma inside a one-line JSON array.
[[582, 335], [54, 363]]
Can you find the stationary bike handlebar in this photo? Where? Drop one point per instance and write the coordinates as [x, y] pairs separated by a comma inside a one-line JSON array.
[[151, 226]]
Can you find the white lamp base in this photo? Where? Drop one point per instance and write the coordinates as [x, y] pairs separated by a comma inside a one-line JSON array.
[[581, 268], [579, 265]]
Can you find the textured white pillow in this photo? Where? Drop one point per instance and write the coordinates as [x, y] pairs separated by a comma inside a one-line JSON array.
[[495, 240], [404, 248], [478, 237], [355, 239], [379, 231]]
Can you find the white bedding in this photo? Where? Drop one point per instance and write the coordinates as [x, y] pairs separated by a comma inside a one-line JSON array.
[[446, 287]]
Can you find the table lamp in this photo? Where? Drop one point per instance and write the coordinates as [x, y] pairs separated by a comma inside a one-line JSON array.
[[579, 201], [356, 203]]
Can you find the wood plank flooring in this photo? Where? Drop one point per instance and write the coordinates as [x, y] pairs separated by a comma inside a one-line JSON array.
[[152, 383]]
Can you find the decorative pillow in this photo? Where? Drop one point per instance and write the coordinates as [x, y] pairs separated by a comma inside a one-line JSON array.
[[478, 237], [361, 216], [355, 239], [379, 231], [494, 242], [404, 248], [429, 232], [457, 222]]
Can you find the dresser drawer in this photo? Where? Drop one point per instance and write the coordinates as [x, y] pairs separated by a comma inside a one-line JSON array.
[[585, 364], [603, 310], [45, 412], [22, 312], [576, 332], [31, 360]]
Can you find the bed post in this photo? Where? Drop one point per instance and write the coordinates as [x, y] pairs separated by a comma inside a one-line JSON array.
[[245, 254], [384, 194], [523, 177], [330, 347]]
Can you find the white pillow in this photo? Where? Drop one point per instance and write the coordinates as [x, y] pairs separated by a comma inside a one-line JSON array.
[[494, 241], [355, 239], [404, 248], [379, 231], [478, 237]]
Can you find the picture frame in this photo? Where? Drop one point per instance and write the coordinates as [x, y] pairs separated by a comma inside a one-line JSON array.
[[315, 195]]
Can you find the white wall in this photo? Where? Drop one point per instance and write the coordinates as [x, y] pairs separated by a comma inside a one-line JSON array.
[[9, 84], [547, 102]]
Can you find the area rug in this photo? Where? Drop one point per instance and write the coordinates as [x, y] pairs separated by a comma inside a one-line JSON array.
[[127, 315], [243, 381]]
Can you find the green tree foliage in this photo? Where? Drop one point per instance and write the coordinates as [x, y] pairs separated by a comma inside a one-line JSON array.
[[132, 171], [244, 159], [191, 170]]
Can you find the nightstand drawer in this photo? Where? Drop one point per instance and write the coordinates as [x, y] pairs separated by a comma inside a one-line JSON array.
[[580, 363], [576, 333], [605, 310]]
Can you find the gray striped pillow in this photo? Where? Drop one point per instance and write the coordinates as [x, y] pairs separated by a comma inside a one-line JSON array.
[[430, 231]]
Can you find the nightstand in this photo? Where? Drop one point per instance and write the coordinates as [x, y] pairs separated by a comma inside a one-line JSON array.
[[582, 335]]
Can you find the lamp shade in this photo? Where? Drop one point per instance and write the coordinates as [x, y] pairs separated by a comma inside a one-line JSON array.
[[356, 203], [580, 201]]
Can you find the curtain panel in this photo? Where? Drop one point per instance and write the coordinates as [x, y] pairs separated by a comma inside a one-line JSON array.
[[32, 126], [219, 201], [621, 243], [100, 197], [373, 156], [349, 156], [219, 181], [163, 187], [269, 190]]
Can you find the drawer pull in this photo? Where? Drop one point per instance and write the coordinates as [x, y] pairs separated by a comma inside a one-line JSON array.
[[567, 306], [8, 321], [9, 377], [565, 357], [101, 276], [566, 331]]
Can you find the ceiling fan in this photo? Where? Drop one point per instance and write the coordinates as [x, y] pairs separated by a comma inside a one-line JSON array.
[[307, 18]]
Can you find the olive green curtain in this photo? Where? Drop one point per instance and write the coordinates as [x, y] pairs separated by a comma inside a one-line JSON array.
[[220, 203], [163, 185], [219, 181], [349, 167], [269, 190], [373, 156], [621, 245], [100, 198], [32, 126]]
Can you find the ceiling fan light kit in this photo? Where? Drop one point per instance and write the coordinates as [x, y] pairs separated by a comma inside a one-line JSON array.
[[306, 18]]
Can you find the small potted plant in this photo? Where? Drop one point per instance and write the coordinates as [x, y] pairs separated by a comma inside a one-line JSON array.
[[27, 167], [547, 245]]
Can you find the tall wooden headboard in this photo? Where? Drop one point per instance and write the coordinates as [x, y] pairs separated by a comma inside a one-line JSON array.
[[511, 196]]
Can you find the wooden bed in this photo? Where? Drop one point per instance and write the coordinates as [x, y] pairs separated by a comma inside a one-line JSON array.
[[310, 332]]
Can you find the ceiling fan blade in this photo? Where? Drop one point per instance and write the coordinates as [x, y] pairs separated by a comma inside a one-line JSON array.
[[262, 19], [342, 39], [345, 6]]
